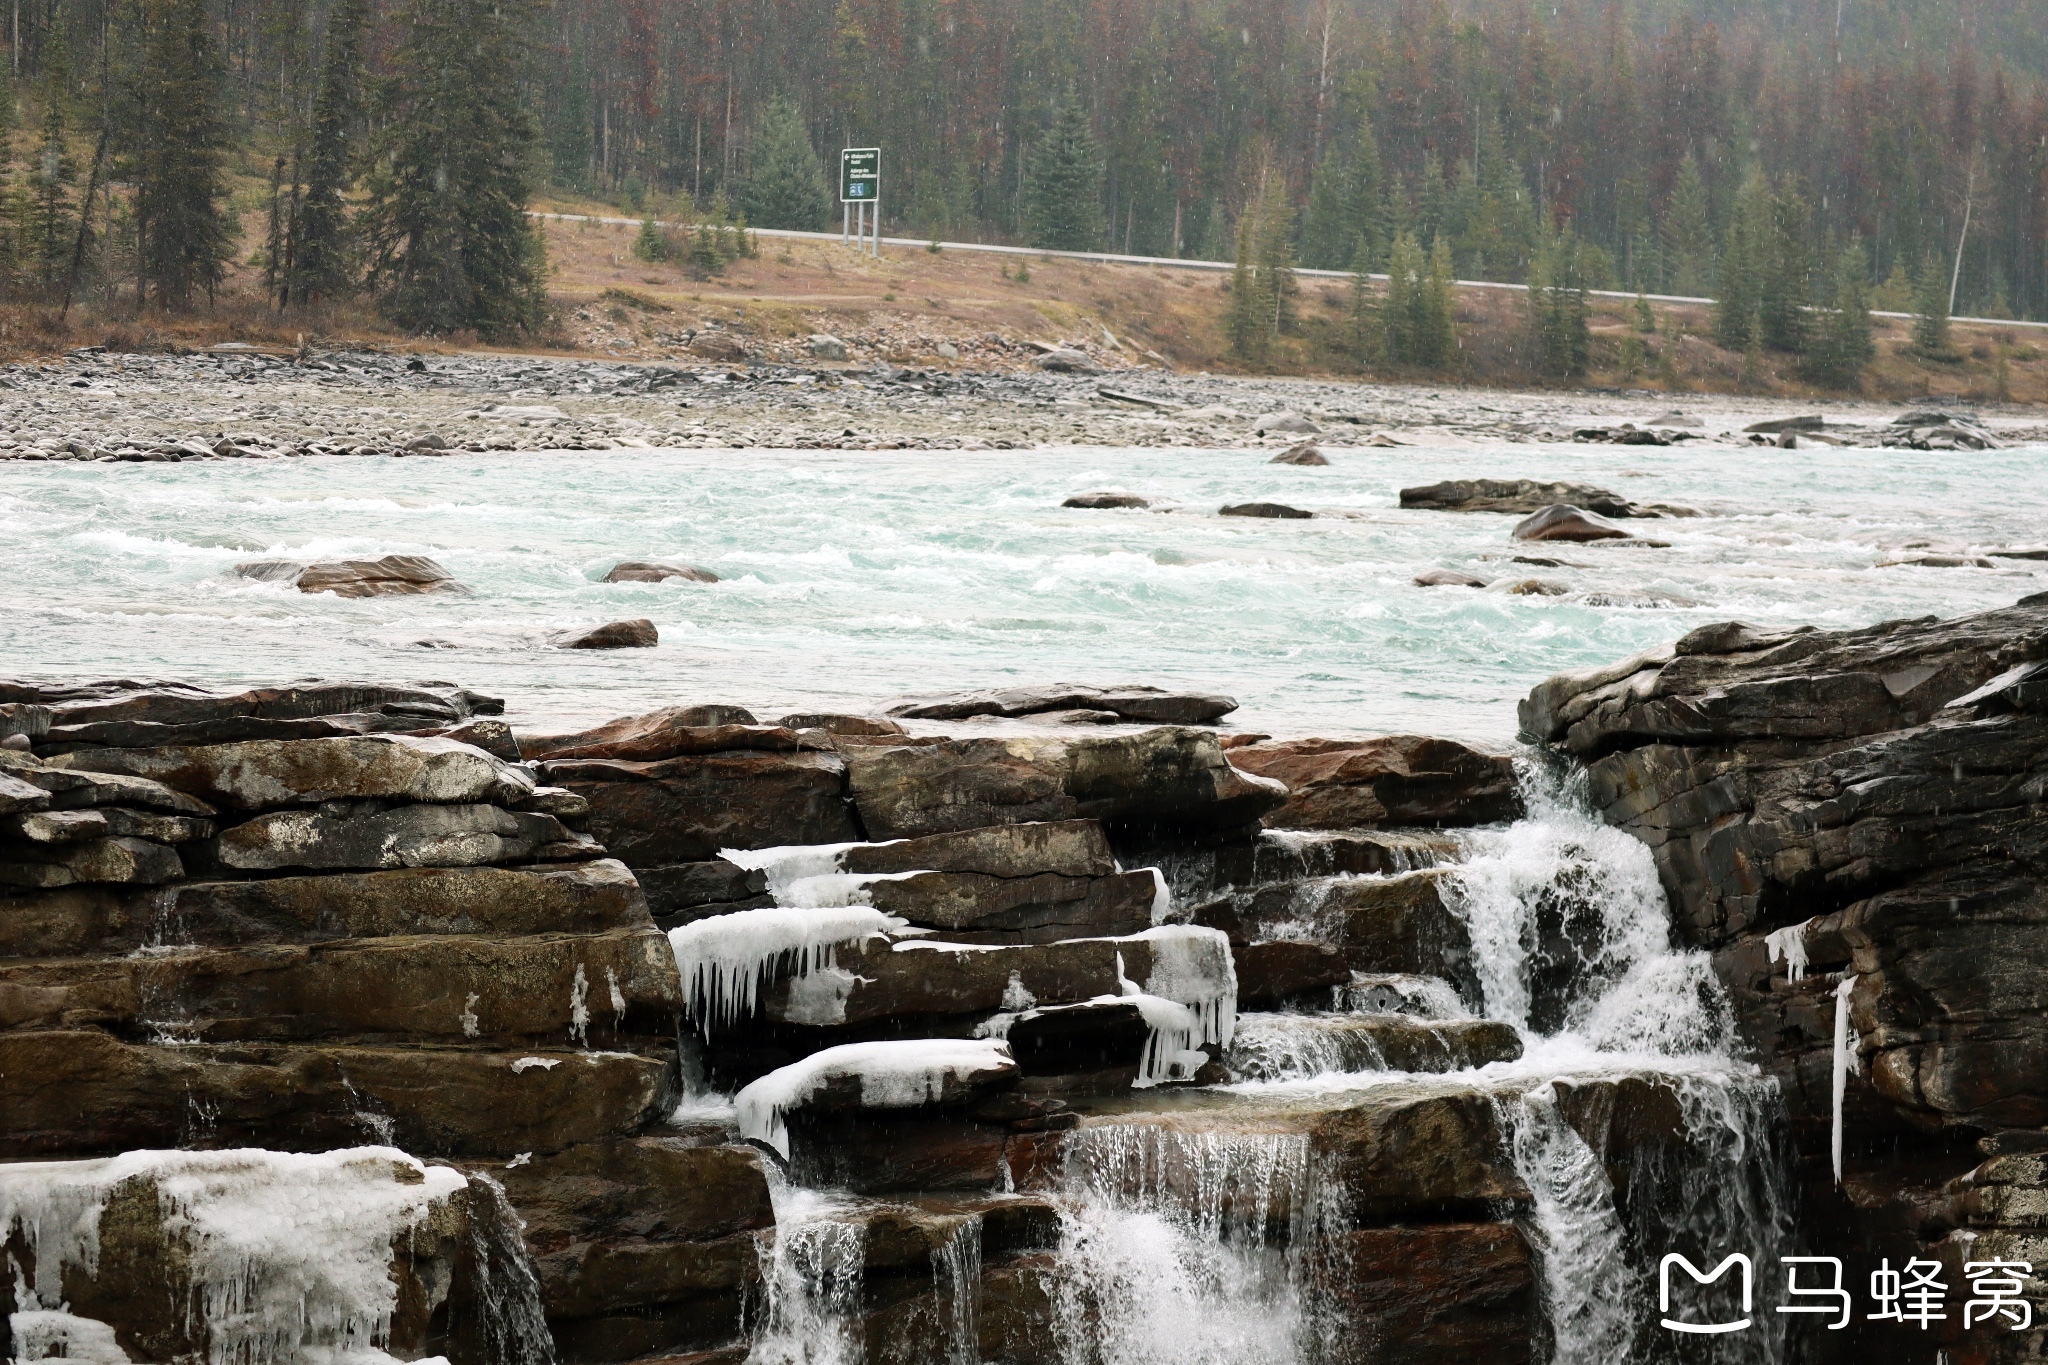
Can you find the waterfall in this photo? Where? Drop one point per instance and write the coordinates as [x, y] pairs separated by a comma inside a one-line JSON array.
[[811, 1271], [956, 1277], [1573, 944], [511, 1328], [1182, 1248]]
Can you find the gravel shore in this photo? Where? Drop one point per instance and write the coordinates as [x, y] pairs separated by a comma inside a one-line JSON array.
[[227, 403]]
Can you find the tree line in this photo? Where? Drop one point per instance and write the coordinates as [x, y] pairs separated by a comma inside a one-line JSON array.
[[403, 175]]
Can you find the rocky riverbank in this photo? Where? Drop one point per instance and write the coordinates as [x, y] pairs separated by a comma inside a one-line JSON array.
[[694, 1033], [252, 403]]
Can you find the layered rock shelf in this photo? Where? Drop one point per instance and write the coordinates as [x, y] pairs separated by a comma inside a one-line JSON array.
[[688, 1035]]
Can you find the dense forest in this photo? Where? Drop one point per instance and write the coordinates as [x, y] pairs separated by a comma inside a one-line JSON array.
[[399, 139]]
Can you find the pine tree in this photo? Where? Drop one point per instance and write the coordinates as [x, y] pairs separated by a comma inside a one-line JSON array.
[[1744, 263], [1406, 271], [1347, 211], [1557, 307], [1263, 287], [1930, 311], [1436, 322], [451, 244], [1786, 281], [1365, 336], [1688, 233], [175, 154], [569, 126], [786, 185], [47, 225], [321, 258], [1842, 344], [1063, 188], [652, 245]]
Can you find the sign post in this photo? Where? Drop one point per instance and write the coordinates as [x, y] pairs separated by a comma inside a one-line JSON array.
[[860, 197]]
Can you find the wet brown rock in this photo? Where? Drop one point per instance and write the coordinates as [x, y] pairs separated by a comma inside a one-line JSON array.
[[500, 992], [638, 633], [1038, 908], [1516, 495], [1397, 780], [85, 1093], [1106, 501], [1304, 454], [921, 977], [391, 576], [102, 822], [844, 726], [267, 774], [335, 836], [685, 809], [680, 893], [1276, 972], [1438, 1294], [667, 733], [1132, 702], [1447, 578], [1161, 777], [579, 898], [655, 571], [1067, 848], [1564, 522], [1278, 511], [119, 859], [1375, 1042]]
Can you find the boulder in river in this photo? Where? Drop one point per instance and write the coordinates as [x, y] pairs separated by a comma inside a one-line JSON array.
[[391, 576], [1304, 454], [1777, 425], [1516, 495], [655, 571], [1447, 578], [1275, 510], [639, 633], [1565, 522], [1106, 501], [1131, 702]]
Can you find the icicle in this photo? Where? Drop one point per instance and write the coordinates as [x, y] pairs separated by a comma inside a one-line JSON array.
[[1846, 1061], [726, 960], [1789, 944]]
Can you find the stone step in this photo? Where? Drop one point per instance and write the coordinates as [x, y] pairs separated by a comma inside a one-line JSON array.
[[569, 898], [1274, 1047], [546, 989], [83, 1092], [347, 836], [686, 809], [264, 774]]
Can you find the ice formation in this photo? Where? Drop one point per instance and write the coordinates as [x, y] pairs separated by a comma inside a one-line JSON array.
[[892, 1075], [1789, 943], [726, 960], [289, 1254], [1846, 1061]]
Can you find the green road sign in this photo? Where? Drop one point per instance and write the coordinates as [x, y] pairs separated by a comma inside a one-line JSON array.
[[860, 175]]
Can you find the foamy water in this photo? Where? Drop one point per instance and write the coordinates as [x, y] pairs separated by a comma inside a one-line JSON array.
[[851, 577]]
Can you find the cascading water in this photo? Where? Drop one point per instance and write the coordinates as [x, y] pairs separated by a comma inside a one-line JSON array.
[[811, 1271], [1169, 1253], [1572, 943]]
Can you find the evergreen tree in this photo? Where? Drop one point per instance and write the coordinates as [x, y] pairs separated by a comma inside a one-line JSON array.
[[1557, 306], [1406, 275], [1347, 210], [321, 261], [1841, 344], [451, 244], [652, 245], [1063, 188], [786, 185], [569, 140], [1263, 288], [1930, 311], [1417, 321], [1786, 281], [1364, 335], [1744, 263], [1688, 244], [47, 225], [1436, 324], [175, 154]]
